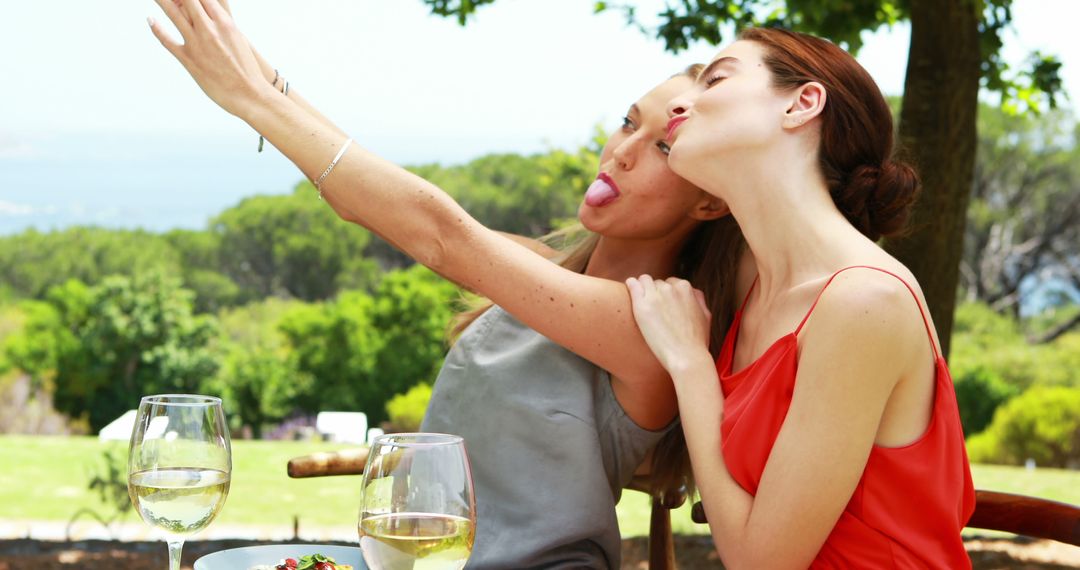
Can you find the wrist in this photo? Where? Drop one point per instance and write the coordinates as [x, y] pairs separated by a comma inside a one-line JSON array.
[[691, 364], [260, 103]]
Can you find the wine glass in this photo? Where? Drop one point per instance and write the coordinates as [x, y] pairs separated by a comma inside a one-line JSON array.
[[179, 465], [418, 510]]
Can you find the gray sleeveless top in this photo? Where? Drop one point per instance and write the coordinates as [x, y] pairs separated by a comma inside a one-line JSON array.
[[550, 447]]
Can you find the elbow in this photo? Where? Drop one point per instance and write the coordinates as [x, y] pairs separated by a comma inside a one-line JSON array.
[[740, 557], [349, 214], [435, 254], [440, 248]]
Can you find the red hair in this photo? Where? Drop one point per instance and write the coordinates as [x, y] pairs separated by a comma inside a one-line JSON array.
[[874, 191]]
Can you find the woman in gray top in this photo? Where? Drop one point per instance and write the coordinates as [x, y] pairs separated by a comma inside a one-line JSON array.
[[558, 402]]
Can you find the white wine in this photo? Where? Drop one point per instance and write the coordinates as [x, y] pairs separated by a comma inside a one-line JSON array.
[[416, 541], [180, 501]]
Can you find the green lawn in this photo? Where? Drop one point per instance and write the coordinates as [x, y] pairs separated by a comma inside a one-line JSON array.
[[45, 478]]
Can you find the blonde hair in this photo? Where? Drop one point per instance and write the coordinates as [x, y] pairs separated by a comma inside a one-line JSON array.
[[708, 260]]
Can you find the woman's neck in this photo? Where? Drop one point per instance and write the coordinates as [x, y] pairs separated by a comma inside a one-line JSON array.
[[791, 225], [617, 259]]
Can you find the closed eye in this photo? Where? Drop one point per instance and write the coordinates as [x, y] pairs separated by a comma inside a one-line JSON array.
[[663, 146], [713, 80]]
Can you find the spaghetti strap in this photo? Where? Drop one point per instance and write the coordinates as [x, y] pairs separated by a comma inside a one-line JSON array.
[[750, 290], [922, 313]]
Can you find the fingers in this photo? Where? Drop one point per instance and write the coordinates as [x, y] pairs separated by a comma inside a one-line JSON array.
[[700, 296], [195, 13], [225, 5], [176, 16], [635, 288], [170, 44], [213, 9]]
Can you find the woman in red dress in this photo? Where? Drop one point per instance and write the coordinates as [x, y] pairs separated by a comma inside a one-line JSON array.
[[826, 434]]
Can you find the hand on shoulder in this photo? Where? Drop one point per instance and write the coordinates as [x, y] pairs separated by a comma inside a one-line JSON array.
[[674, 319]]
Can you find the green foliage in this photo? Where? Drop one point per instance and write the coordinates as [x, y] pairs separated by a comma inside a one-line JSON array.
[[984, 340], [258, 381], [103, 347], [979, 392], [292, 245], [1021, 221], [259, 385], [32, 262], [524, 195], [406, 411], [412, 310], [460, 9], [335, 343], [844, 21], [360, 350], [49, 332], [1041, 424], [200, 264], [12, 321]]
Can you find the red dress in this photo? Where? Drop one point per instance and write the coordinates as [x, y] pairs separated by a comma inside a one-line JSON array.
[[911, 502]]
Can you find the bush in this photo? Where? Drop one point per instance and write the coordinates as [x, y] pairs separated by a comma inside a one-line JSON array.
[[406, 411], [979, 392], [1042, 424]]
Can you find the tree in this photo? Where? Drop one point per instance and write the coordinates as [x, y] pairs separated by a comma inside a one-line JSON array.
[[336, 343], [361, 350], [259, 381], [103, 347], [412, 310], [955, 48], [291, 246], [1024, 219], [200, 266], [525, 195], [32, 262]]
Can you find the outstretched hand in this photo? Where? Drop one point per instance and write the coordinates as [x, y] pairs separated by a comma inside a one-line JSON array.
[[673, 318], [214, 52]]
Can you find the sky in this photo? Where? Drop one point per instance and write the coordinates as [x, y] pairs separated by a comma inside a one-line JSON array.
[[99, 125]]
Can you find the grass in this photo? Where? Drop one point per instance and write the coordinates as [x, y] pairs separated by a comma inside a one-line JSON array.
[[45, 478]]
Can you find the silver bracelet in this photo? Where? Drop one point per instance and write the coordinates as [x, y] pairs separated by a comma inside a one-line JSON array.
[[333, 163]]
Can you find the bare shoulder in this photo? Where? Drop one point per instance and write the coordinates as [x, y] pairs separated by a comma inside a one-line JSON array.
[[872, 315], [868, 298]]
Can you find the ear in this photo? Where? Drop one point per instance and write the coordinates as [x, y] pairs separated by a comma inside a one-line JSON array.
[[709, 208], [807, 102]]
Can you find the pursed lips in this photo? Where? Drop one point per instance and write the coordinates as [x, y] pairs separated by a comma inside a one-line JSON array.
[[674, 124]]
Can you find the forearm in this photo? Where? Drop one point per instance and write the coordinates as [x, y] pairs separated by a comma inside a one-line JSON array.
[[363, 188], [727, 505], [278, 81]]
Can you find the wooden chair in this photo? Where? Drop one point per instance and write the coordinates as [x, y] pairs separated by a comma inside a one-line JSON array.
[[1018, 514], [661, 543]]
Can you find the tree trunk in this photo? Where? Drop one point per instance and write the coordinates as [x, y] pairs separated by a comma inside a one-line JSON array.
[[937, 131]]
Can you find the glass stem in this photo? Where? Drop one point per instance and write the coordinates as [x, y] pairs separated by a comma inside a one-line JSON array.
[[175, 546]]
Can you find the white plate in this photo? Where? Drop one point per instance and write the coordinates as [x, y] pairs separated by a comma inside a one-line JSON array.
[[244, 558]]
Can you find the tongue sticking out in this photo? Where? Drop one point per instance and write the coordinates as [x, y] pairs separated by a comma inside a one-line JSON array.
[[600, 193]]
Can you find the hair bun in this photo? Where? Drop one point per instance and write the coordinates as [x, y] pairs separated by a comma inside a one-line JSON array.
[[877, 199]]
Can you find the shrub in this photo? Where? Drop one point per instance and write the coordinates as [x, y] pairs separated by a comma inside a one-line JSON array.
[[979, 392], [1042, 424], [406, 411]]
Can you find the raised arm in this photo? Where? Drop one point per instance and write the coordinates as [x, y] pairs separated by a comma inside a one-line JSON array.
[[589, 316]]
